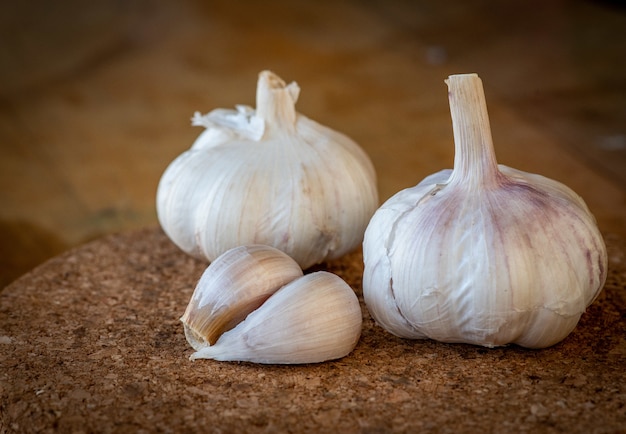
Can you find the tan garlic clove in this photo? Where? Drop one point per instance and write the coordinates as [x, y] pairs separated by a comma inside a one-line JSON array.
[[253, 303], [312, 319], [234, 285]]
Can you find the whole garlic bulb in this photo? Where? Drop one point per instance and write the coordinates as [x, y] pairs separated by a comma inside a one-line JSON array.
[[253, 303], [482, 254], [268, 176]]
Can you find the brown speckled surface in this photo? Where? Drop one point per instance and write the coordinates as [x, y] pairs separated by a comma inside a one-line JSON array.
[[90, 342]]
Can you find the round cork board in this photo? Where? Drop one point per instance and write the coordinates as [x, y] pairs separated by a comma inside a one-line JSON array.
[[91, 342]]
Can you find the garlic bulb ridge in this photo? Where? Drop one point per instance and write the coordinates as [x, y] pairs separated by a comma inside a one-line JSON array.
[[269, 176], [483, 253], [254, 304]]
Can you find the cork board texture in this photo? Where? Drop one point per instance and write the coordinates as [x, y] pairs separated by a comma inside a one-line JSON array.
[[91, 341]]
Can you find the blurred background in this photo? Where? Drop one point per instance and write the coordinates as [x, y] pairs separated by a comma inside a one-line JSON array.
[[96, 97]]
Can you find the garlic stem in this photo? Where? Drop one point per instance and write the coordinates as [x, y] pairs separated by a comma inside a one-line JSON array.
[[475, 164], [276, 101]]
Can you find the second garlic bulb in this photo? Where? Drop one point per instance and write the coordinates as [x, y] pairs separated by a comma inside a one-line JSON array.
[[482, 254], [268, 176]]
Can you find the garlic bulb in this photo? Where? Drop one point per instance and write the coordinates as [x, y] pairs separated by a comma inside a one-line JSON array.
[[482, 254], [268, 176], [253, 303]]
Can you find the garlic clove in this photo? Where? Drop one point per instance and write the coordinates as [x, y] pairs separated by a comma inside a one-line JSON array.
[[231, 287], [312, 319], [482, 254]]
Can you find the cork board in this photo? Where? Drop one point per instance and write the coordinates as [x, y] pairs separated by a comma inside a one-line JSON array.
[[91, 342]]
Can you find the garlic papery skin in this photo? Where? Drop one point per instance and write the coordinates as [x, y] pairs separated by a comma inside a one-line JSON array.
[[270, 176], [482, 254], [254, 304]]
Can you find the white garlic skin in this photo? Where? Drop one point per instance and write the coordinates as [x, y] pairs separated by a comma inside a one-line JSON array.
[[253, 303], [490, 258], [268, 176]]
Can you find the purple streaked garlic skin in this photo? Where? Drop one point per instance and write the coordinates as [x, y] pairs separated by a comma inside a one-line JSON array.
[[482, 254]]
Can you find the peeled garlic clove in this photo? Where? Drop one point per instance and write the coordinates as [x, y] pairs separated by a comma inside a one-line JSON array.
[[312, 319], [232, 286], [483, 254], [270, 176]]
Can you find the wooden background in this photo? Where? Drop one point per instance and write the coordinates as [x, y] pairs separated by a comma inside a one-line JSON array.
[[96, 97]]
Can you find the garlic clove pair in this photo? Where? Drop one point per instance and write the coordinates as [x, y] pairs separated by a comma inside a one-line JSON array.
[[253, 303], [269, 176], [483, 253], [234, 285]]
